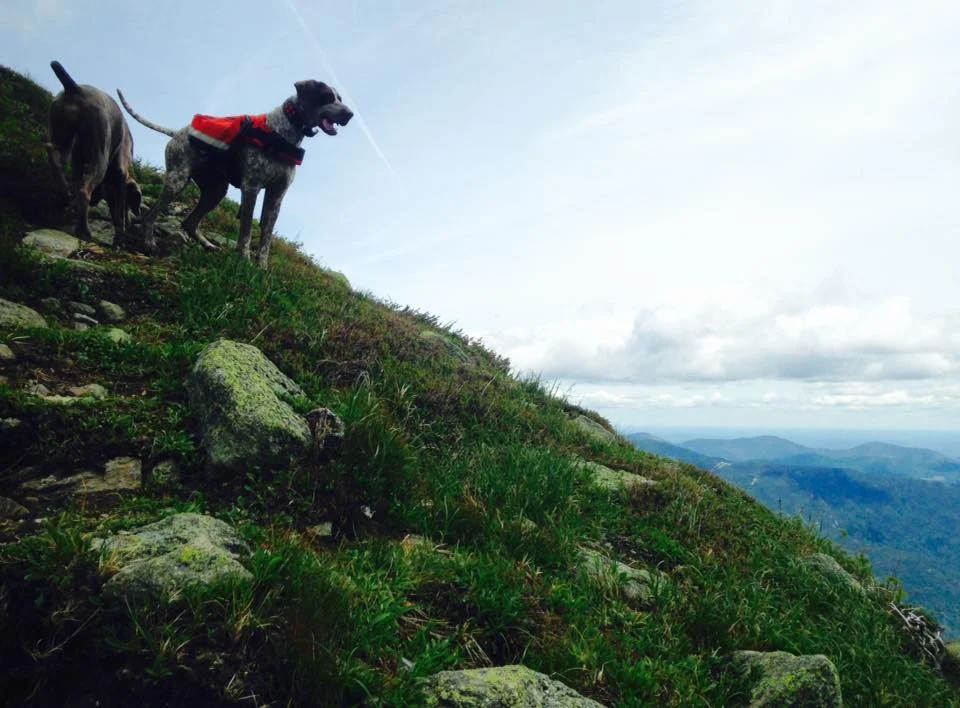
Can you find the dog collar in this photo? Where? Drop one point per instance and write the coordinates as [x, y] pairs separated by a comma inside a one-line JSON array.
[[293, 115]]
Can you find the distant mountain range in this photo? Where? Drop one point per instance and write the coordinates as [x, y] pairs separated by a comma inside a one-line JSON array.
[[870, 458], [898, 505]]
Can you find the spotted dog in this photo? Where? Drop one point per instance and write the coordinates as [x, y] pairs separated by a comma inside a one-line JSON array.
[[249, 152]]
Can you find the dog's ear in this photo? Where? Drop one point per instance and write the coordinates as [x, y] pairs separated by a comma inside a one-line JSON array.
[[134, 197]]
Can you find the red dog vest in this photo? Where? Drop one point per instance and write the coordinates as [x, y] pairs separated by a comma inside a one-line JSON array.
[[222, 133]]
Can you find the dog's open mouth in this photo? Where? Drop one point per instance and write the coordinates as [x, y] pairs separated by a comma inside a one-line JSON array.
[[328, 126]]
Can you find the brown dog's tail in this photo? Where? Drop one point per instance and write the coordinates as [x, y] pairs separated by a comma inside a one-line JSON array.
[[69, 85], [143, 121]]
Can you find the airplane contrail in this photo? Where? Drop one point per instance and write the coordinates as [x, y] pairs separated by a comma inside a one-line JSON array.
[[333, 75]]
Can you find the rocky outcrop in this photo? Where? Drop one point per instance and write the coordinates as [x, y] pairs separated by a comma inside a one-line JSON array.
[[162, 558], [13, 314], [501, 687], [829, 567], [237, 394], [782, 680]]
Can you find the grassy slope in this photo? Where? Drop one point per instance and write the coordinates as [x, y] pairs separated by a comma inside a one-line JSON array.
[[462, 455]]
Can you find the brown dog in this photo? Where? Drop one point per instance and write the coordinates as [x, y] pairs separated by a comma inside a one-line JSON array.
[[88, 128]]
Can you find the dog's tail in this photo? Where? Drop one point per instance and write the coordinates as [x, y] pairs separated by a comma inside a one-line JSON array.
[[143, 121], [69, 85]]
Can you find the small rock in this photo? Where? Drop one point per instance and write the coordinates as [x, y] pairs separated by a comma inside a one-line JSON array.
[[327, 430], [514, 686], [633, 583], [57, 400], [112, 312], [84, 319], [52, 242], [51, 304], [82, 308], [81, 327], [121, 474], [784, 680], [614, 479], [827, 565], [6, 353], [324, 530], [90, 390], [165, 475], [13, 314], [164, 557], [9, 509], [117, 335], [593, 429], [36, 389]]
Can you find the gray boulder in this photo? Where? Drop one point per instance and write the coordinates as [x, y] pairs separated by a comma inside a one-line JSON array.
[[160, 559], [13, 314], [827, 566], [52, 242], [236, 393], [512, 686], [82, 308], [782, 680]]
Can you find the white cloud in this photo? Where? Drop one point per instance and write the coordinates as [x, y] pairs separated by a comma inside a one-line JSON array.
[[735, 336]]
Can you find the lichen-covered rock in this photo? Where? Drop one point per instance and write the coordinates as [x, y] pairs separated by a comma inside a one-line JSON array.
[[827, 565], [512, 686], [13, 314], [618, 578], [162, 558], [593, 429], [112, 312], [6, 353], [614, 479], [236, 392], [782, 680], [52, 242]]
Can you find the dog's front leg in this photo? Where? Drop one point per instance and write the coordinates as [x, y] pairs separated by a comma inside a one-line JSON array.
[[248, 202]]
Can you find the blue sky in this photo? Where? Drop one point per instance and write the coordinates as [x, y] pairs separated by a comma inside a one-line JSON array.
[[690, 212]]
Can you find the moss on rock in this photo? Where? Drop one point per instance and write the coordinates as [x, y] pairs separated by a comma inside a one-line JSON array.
[[512, 686]]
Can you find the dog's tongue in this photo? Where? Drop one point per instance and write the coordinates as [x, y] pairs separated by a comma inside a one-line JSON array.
[[328, 126]]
